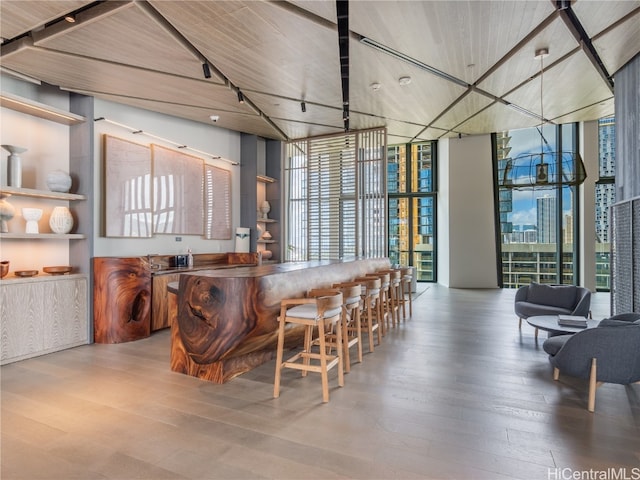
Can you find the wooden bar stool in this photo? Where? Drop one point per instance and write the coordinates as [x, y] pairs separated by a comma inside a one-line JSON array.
[[395, 294], [407, 285], [385, 298], [314, 313], [371, 308], [351, 325]]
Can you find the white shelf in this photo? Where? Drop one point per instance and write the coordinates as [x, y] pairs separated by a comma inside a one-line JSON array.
[[42, 236], [31, 192], [267, 220], [37, 109]]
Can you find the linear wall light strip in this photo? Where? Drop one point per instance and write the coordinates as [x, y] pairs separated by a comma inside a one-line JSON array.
[[412, 61], [182, 146]]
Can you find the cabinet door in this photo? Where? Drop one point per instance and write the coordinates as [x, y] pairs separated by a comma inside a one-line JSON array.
[[66, 304], [22, 313], [159, 304]]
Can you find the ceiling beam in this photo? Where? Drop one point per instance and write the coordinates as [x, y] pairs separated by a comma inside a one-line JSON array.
[[342, 10], [579, 33]]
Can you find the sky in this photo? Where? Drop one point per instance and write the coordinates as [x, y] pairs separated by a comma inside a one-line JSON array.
[[524, 142]]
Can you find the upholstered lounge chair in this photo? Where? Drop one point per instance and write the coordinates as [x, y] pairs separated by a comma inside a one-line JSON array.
[[609, 353], [540, 299]]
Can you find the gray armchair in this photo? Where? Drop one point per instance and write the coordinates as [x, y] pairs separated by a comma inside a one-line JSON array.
[[540, 299], [609, 353]]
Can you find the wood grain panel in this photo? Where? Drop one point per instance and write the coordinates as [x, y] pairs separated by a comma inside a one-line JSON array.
[[16, 19], [22, 311], [65, 302], [121, 299], [41, 315], [160, 300]]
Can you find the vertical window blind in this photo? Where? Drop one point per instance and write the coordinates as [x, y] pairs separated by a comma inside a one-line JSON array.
[[336, 196]]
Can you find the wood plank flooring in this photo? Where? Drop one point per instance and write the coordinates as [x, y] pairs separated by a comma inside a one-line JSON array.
[[456, 392]]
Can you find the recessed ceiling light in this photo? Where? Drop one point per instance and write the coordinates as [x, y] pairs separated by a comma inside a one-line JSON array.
[[404, 80], [375, 86]]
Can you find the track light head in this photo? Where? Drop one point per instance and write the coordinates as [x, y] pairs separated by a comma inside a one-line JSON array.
[[303, 107], [206, 70], [240, 97]]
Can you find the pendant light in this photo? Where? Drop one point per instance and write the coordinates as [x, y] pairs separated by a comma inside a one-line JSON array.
[[547, 169]]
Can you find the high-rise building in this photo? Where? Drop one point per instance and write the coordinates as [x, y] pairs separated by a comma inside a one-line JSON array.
[[546, 215], [605, 192]]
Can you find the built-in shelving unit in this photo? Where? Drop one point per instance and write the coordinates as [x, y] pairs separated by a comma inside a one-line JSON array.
[[48, 313]]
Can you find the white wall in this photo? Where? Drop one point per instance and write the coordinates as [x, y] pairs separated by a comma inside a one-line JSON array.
[[467, 216], [204, 137], [443, 213]]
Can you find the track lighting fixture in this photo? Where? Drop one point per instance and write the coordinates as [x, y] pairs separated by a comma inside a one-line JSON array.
[[240, 97], [206, 70], [303, 106]]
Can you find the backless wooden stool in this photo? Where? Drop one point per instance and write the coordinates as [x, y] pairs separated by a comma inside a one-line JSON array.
[[314, 313]]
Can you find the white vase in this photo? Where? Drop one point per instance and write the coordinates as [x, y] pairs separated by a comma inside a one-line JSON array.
[[32, 216], [61, 220], [7, 211], [14, 165], [265, 208], [59, 181]]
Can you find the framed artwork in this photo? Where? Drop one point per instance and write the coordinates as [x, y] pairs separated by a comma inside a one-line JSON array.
[[128, 189], [178, 198]]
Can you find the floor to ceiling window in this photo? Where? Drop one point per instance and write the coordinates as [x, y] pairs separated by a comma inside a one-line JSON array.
[[537, 221], [335, 197], [605, 197], [411, 191]]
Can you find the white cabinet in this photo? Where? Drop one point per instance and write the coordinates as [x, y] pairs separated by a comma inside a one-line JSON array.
[[42, 315]]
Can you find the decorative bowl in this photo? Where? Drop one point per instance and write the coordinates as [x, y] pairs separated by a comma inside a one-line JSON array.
[[26, 273], [4, 268], [58, 270]]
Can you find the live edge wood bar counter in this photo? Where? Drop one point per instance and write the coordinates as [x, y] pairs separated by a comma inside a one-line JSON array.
[[227, 320]]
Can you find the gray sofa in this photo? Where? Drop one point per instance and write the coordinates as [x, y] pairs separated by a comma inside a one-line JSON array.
[[609, 353], [540, 299]]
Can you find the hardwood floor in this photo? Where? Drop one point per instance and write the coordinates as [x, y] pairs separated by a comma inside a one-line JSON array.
[[458, 391]]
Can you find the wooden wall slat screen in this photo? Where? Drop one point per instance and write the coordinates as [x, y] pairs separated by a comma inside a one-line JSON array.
[[336, 196]]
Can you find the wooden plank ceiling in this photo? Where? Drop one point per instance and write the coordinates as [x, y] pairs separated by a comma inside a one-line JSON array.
[[467, 61]]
